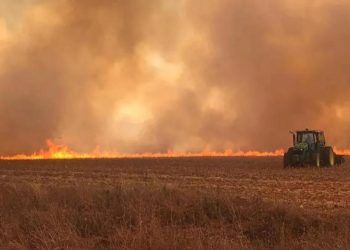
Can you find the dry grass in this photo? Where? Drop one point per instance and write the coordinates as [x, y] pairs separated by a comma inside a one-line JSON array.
[[122, 205]]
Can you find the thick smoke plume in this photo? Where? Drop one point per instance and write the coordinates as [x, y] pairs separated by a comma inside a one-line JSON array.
[[151, 76]]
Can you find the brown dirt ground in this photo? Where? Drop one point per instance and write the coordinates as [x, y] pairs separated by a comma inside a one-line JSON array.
[[323, 191]]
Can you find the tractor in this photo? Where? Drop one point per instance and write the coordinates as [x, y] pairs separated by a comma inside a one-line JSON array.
[[309, 148]]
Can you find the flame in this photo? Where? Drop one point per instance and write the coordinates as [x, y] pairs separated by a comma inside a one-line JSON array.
[[345, 152], [55, 151]]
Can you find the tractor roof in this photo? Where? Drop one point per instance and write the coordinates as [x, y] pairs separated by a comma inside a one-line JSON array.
[[309, 131]]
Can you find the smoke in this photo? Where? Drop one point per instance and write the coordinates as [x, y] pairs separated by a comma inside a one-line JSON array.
[[152, 76]]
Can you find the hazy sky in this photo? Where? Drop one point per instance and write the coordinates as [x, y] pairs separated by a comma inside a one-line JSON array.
[[152, 76], [12, 10]]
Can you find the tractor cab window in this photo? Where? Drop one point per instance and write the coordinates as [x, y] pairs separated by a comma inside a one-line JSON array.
[[321, 138], [306, 138]]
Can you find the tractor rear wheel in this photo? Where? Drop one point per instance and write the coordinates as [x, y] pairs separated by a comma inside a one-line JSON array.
[[316, 159], [286, 160], [329, 157]]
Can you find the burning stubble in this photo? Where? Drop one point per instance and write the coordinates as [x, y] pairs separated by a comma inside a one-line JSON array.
[[152, 76]]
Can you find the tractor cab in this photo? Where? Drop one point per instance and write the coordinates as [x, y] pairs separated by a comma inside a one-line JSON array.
[[311, 137], [306, 137]]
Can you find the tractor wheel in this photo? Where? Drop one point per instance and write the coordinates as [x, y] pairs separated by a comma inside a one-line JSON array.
[[316, 159], [329, 157], [286, 160]]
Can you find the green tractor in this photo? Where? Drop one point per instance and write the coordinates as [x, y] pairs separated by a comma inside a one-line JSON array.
[[309, 148]]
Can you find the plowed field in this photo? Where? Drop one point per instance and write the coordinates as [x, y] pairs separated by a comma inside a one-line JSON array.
[[321, 190]]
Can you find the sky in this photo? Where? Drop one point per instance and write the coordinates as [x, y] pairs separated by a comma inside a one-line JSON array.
[[151, 76]]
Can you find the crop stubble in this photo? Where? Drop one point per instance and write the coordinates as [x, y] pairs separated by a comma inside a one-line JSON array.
[[319, 190]]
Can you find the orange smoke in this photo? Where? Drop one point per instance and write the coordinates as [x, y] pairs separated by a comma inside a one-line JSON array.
[[55, 151]]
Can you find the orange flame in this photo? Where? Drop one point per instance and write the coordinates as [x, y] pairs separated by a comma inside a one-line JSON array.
[[345, 152], [55, 151]]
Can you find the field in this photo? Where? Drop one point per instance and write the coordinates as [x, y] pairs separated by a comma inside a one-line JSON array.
[[173, 203]]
